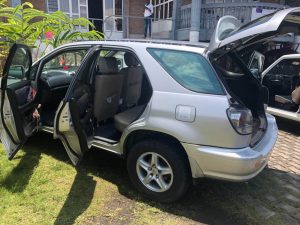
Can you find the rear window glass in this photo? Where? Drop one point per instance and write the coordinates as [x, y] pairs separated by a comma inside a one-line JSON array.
[[254, 23], [191, 70]]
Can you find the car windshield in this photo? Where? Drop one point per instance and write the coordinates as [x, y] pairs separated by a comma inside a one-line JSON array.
[[67, 61]]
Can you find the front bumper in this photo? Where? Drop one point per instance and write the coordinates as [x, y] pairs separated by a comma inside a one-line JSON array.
[[232, 164]]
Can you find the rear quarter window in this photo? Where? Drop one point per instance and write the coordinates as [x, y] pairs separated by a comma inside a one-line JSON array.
[[191, 70]]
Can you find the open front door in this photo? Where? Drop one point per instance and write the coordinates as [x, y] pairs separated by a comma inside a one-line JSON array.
[[286, 61], [16, 100], [73, 119]]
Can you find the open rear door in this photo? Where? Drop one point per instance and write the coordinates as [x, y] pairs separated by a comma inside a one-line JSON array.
[[72, 124], [16, 100]]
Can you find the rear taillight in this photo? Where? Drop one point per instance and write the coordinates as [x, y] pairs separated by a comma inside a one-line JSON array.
[[241, 119]]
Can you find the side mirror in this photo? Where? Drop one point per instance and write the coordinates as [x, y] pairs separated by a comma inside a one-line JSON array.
[[16, 72], [265, 94]]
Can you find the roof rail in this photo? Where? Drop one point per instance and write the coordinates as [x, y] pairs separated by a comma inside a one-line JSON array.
[[154, 41], [162, 41]]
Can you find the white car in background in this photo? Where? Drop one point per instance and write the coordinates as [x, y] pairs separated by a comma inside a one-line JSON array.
[[282, 78]]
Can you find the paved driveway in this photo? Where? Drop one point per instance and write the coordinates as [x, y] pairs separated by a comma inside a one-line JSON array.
[[284, 165]]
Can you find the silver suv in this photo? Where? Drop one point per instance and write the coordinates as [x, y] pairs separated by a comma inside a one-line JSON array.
[[174, 111]]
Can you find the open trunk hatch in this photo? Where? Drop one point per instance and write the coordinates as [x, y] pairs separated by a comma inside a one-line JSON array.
[[230, 35], [225, 50]]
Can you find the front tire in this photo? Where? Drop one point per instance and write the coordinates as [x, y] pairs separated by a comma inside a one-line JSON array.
[[158, 170]]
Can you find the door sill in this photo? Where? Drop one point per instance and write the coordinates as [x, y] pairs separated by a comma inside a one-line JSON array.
[[47, 129], [102, 139], [113, 147]]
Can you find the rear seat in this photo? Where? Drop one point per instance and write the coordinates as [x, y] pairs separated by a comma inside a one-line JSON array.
[[131, 93], [133, 78], [123, 119], [108, 85], [293, 99]]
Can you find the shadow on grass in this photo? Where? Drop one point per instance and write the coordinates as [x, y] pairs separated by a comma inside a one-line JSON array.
[[19, 177], [78, 200], [210, 202]]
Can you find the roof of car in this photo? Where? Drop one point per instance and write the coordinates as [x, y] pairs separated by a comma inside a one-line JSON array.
[[141, 42], [198, 47]]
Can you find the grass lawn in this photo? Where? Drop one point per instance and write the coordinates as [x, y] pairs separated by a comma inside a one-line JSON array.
[[40, 186]]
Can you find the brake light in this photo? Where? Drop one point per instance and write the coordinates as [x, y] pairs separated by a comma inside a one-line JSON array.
[[241, 119]]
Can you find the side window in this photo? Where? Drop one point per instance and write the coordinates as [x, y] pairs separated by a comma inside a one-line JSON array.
[[19, 67], [65, 63], [189, 69]]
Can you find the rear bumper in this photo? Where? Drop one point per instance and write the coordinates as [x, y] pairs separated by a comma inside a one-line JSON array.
[[232, 164]]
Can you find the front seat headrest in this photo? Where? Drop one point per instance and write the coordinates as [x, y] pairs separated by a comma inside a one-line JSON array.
[[130, 59], [107, 65]]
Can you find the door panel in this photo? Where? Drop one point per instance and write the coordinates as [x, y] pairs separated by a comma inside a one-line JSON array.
[[72, 123], [17, 102], [64, 130]]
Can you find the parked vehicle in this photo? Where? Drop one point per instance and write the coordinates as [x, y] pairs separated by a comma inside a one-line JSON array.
[[282, 78], [174, 111]]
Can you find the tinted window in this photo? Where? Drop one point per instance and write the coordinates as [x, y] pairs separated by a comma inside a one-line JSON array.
[[191, 70], [229, 65]]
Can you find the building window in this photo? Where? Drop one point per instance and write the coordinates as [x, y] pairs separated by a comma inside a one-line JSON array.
[[72, 8], [113, 13], [15, 3], [162, 9]]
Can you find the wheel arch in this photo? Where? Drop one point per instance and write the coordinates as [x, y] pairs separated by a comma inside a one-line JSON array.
[[139, 135]]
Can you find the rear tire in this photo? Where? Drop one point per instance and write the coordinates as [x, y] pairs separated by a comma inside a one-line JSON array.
[[158, 170]]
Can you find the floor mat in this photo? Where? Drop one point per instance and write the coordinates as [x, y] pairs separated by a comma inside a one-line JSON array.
[[47, 118], [107, 131]]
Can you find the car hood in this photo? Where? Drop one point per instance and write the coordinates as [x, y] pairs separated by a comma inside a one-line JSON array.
[[230, 35]]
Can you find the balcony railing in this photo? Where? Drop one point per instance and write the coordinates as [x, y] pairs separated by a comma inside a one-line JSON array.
[[211, 12], [185, 17]]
